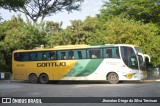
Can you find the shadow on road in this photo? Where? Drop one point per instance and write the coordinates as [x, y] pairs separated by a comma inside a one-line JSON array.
[[78, 82]]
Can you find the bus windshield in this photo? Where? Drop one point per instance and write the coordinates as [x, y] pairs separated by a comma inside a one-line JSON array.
[[129, 57]]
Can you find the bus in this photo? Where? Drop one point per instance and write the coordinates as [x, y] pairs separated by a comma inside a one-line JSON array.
[[109, 62]]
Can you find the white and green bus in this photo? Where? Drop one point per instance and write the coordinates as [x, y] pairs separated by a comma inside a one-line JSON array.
[[111, 62]]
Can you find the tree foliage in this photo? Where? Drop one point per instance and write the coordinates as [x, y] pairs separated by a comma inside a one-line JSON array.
[[143, 10], [11, 4], [80, 32], [16, 34]]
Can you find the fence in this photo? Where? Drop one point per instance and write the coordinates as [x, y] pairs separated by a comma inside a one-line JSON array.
[[5, 75], [153, 73]]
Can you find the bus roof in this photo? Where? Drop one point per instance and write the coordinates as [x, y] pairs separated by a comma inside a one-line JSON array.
[[65, 47]]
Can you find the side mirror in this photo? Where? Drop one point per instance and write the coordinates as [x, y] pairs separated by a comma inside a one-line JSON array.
[[140, 54], [149, 58]]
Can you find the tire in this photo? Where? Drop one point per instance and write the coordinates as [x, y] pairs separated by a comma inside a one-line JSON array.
[[33, 78], [43, 79], [113, 78]]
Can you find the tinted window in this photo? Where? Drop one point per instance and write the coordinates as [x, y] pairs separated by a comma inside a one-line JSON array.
[[48, 55], [33, 56], [95, 53], [21, 56], [45, 56], [39, 56], [25, 56], [111, 52], [18, 56], [63, 55], [78, 54], [52, 55]]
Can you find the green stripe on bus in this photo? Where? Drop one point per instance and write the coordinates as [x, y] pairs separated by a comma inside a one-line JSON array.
[[78, 68], [84, 68]]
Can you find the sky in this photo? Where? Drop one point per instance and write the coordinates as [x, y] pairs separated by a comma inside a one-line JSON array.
[[88, 8]]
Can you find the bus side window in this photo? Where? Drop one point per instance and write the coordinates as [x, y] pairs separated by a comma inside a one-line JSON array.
[[111, 52], [63, 55], [45, 56], [108, 53], [25, 56], [18, 56], [115, 53], [33, 56], [52, 56], [82, 54], [95, 53], [75, 54], [71, 54], [39, 56], [79, 54]]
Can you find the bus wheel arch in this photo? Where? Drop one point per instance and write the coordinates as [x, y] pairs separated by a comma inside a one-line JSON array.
[[112, 78], [43, 78], [33, 78]]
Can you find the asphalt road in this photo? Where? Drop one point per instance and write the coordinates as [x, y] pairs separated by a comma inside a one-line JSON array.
[[80, 89]]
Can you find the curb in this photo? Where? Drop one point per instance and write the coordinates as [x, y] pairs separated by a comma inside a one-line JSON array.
[[150, 80]]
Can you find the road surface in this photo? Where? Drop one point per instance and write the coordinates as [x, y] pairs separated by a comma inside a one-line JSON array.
[[80, 89]]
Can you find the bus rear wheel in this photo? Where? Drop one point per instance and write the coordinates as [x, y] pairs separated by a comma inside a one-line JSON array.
[[33, 78], [43, 79], [113, 78]]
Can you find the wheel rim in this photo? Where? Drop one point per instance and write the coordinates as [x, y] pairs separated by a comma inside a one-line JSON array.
[[113, 78], [33, 78], [44, 78]]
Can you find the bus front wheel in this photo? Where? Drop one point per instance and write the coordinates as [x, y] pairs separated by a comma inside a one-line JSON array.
[[33, 78], [43, 79], [113, 78]]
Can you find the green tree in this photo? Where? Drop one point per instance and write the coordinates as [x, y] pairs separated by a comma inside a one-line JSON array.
[[11, 4], [16, 34], [143, 10], [86, 32], [80, 32]]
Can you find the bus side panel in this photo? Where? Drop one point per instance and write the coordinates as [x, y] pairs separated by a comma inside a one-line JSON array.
[[59, 72], [54, 69], [19, 71], [83, 69]]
